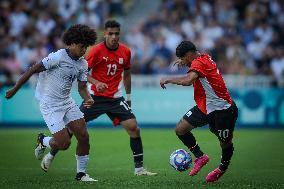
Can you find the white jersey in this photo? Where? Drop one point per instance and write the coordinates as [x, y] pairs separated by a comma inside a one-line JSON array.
[[54, 84]]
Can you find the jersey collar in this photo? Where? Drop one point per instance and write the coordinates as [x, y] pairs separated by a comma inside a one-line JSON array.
[[110, 48], [69, 54]]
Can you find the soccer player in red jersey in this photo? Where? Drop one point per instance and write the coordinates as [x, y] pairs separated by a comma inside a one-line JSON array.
[[109, 62], [214, 106]]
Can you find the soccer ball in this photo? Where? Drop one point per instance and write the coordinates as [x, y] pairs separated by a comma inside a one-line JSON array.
[[180, 160]]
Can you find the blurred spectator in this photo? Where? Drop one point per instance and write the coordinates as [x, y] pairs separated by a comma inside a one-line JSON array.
[[29, 30], [277, 65], [244, 37]]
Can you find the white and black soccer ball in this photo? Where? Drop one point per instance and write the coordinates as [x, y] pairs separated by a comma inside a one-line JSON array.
[[180, 160]]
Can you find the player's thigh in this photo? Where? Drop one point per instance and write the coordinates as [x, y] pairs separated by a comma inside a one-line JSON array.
[[121, 113], [78, 128], [192, 119], [222, 124]]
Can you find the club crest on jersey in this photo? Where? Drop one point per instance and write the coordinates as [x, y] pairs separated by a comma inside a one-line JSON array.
[[120, 60], [105, 58]]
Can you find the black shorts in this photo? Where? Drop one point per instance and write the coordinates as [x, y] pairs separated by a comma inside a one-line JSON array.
[[116, 109], [221, 122]]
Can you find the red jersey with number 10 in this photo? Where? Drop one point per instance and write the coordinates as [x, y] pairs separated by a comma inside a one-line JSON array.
[[210, 91], [107, 66]]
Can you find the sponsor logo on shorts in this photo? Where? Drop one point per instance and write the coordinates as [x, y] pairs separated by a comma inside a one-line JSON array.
[[188, 113]]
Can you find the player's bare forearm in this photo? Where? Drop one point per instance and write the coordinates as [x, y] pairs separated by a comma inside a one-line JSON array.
[[101, 87], [92, 80], [127, 81], [183, 80], [83, 91], [24, 78]]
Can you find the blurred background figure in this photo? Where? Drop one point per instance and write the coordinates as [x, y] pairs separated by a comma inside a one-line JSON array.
[[244, 37]]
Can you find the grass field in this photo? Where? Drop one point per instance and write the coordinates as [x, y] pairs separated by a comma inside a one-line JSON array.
[[258, 161]]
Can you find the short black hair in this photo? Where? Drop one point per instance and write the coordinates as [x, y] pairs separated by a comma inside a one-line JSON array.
[[79, 33], [184, 47], [112, 24]]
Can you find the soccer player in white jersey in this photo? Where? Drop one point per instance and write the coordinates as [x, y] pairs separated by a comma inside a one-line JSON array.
[[56, 74]]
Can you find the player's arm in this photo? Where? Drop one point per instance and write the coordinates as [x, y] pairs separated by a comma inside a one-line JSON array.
[[101, 87], [36, 68], [186, 80], [127, 85], [84, 93]]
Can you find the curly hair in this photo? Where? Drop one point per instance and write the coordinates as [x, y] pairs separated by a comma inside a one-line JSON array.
[[184, 47], [79, 33]]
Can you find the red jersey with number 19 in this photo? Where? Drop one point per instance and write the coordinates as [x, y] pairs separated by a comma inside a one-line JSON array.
[[107, 66], [210, 91]]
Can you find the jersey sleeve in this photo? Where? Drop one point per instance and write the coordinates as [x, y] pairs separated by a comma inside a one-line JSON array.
[[82, 76], [51, 61], [128, 64], [198, 67], [92, 57]]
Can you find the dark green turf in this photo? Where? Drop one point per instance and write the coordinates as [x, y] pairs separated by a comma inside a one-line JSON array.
[[258, 161]]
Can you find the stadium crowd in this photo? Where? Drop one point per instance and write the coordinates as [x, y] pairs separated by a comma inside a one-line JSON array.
[[244, 37]]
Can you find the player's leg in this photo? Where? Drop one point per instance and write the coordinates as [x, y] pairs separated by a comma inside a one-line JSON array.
[[136, 146], [59, 141], [49, 157], [78, 127], [89, 114], [122, 114], [192, 119], [76, 123], [223, 128]]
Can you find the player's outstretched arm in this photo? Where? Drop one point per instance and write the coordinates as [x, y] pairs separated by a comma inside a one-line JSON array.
[[184, 80], [36, 68], [83, 91]]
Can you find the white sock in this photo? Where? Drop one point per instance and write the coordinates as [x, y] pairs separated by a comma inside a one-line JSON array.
[[49, 156], [46, 140], [82, 162]]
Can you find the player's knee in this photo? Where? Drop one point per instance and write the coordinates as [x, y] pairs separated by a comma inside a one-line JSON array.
[[133, 130], [179, 130], [226, 145]]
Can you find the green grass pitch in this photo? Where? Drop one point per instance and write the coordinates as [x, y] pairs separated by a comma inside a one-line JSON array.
[[258, 161]]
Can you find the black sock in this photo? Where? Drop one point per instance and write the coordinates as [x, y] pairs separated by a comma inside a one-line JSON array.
[[189, 141], [227, 154], [53, 152], [137, 150]]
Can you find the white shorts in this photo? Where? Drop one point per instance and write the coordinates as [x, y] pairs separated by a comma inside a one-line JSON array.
[[58, 119]]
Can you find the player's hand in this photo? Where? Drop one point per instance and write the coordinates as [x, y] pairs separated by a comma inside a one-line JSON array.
[[164, 81], [101, 87], [88, 103], [10, 93], [129, 103]]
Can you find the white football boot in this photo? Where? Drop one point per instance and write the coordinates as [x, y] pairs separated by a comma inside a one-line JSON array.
[[40, 148], [84, 177], [46, 162], [143, 172]]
